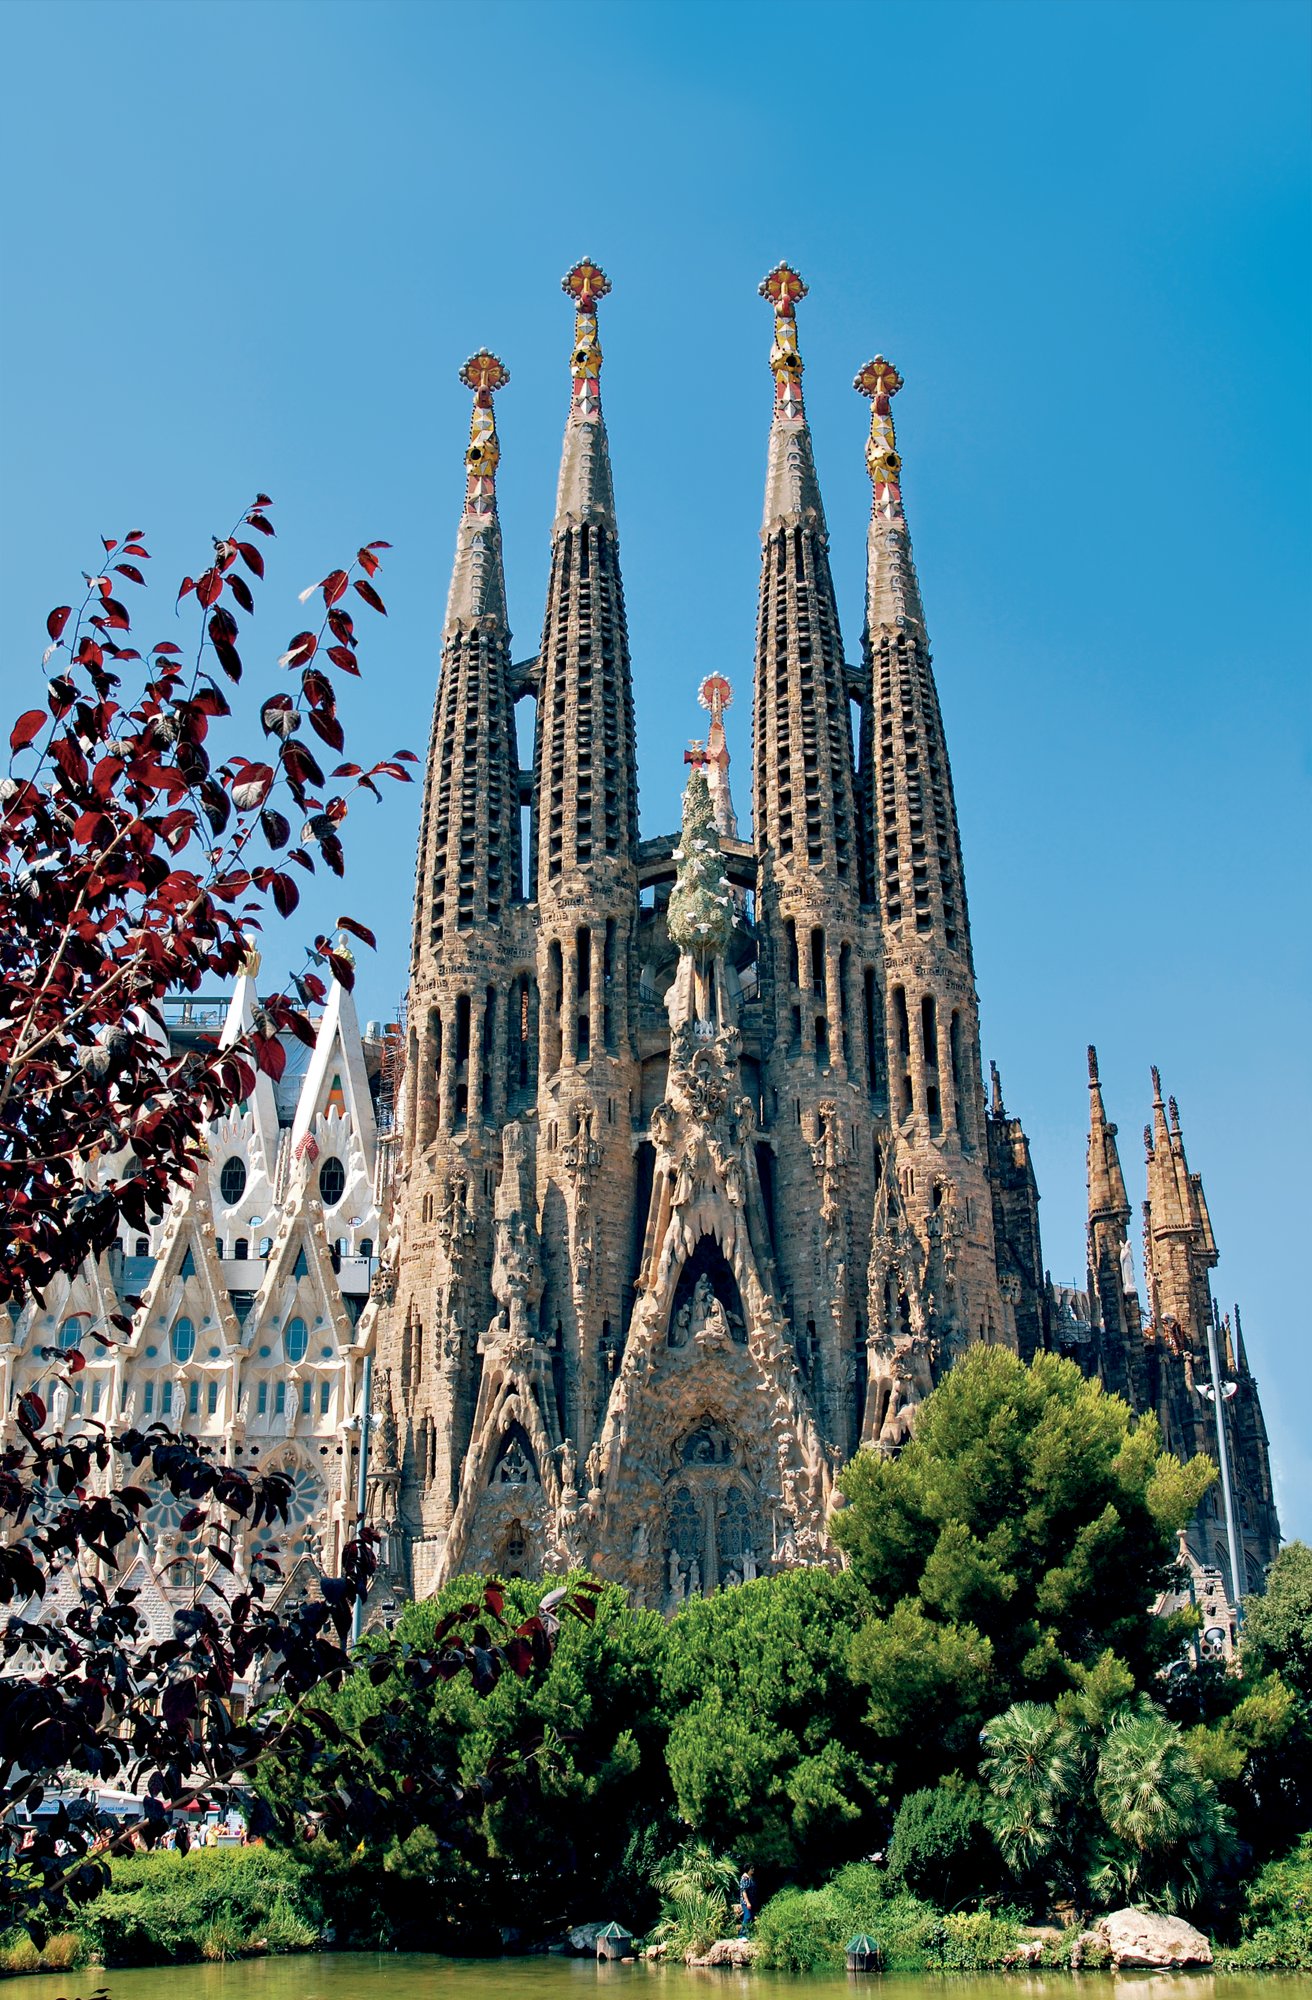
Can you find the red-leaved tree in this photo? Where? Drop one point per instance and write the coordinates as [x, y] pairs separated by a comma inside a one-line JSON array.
[[138, 848]]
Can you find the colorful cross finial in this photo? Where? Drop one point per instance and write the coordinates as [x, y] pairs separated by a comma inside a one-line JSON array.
[[783, 287], [484, 373], [586, 282], [880, 381], [878, 378]]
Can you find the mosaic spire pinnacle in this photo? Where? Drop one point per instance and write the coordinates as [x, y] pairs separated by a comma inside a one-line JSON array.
[[478, 585], [893, 594], [784, 287], [484, 373], [585, 491], [792, 491]]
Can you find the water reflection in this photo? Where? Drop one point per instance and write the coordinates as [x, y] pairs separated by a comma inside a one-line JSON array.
[[419, 1976]]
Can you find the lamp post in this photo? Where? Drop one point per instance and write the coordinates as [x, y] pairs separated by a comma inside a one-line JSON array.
[[1218, 1394], [362, 1480]]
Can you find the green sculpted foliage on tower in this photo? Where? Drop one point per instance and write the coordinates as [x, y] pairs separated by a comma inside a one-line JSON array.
[[701, 903]]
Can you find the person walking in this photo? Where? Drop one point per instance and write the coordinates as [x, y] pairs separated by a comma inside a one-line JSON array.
[[746, 1899]]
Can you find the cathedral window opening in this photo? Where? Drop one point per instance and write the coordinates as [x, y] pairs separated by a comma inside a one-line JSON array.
[[685, 1546], [817, 961], [462, 1106], [71, 1333], [262, 1400], [735, 1541], [218, 1248], [232, 1181], [97, 1397], [187, 1268], [877, 1160], [166, 1400], [76, 1408], [583, 963], [462, 1030], [489, 1044], [821, 1042], [193, 1399], [211, 1399], [607, 982], [280, 1400], [901, 1021], [795, 1047], [142, 1247], [366, 1249], [296, 1340], [266, 1246], [954, 1057], [872, 1026], [555, 1005], [147, 1398], [794, 972], [325, 1397], [301, 1268], [306, 1393], [182, 1340]]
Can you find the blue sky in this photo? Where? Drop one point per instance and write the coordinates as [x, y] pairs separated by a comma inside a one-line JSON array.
[[248, 246]]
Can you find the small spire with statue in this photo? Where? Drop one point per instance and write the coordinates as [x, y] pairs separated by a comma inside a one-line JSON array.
[[711, 757], [880, 381], [586, 283], [784, 287]]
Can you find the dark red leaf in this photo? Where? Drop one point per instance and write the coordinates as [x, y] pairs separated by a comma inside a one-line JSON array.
[[370, 596], [285, 893], [358, 930], [329, 728], [57, 620], [277, 829], [342, 969], [343, 657], [209, 587], [27, 728], [128, 570], [241, 590], [252, 558], [270, 1054], [334, 586], [301, 648]]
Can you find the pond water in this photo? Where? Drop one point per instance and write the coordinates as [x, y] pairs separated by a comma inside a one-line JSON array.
[[418, 1976]]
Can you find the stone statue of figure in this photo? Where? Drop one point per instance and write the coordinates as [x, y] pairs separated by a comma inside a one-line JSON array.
[[681, 1326], [694, 1578], [749, 1565], [676, 1575], [641, 1542], [569, 1462]]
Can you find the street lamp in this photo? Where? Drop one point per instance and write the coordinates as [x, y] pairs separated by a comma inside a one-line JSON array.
[[1218, 1393]]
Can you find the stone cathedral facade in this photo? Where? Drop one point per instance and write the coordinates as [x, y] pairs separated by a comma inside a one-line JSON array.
[[679, 1182], [698, 1186]]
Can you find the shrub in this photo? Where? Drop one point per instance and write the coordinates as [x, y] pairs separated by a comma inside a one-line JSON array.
[[166, 1908], [941, 1849], [1277, 1920], [806, 1930], [974, 1941]]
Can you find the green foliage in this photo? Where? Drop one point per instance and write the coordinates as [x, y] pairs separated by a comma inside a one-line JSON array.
[[60, 1953], [166, 1908], [768, 1754], [941, 1849], [806, 1930], [1277, 1919], [578, 1753], [1119, 1814], [1278, 1625], [1017, 1539]]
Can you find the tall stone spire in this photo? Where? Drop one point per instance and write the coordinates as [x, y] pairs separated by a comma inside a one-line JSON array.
[[469, 840], [585, 780], [913, 873], [822, 1027], [1111, 1269], [466, 1020], [585, 834], [805, 784]]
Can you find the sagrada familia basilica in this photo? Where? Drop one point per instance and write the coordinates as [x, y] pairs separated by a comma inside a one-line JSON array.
[[679, 1183]]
